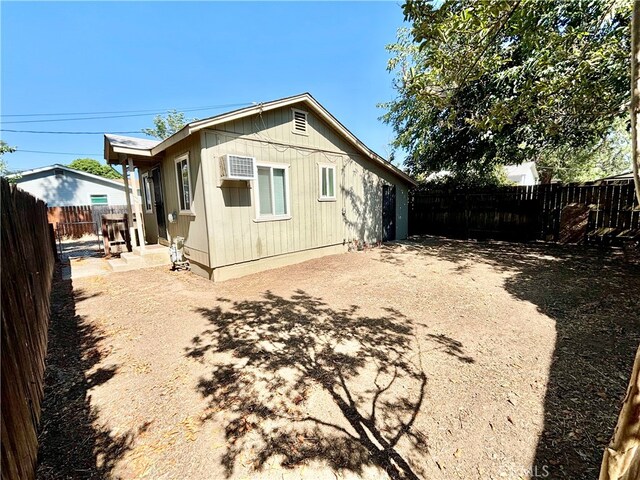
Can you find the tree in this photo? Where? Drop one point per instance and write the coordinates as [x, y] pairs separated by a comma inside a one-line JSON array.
[[167, 126], [482, 83], [5, 148], [610, 156], [635, 96], [621, 459], [90, 165]]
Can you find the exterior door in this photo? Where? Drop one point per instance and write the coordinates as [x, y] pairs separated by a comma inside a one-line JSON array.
[[159, 202], [388, 213]]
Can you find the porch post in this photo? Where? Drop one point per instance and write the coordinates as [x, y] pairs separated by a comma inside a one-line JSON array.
[[125, 176], [137, 207]]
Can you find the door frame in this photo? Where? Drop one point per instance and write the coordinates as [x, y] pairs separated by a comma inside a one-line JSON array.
[[389, 217], [158, 206]]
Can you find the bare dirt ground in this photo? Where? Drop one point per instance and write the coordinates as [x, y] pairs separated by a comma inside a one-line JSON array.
[[431, 359]]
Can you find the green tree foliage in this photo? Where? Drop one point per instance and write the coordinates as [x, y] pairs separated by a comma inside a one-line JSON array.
[[5, 148], [609, 156], [95, 167], [482, 83], [166, 126]]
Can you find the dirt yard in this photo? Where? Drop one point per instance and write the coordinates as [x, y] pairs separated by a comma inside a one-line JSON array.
[[432, 359]]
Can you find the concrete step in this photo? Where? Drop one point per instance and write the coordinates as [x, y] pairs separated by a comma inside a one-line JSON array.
[[150, 256], [153, 254], [120, 265], [150, 250], [132, 259]]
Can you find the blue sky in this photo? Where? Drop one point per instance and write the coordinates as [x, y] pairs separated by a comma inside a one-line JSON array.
[[104, 57]]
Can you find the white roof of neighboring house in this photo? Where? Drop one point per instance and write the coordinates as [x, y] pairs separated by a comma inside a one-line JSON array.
[[150, 148], [57, 166], [620, 176], [522, 169], [512, 171]]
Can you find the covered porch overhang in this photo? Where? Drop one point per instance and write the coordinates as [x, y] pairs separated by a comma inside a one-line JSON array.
[[119, 149], [131, 153]]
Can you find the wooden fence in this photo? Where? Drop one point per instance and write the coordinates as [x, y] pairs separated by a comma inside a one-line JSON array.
[[572, 213], [27, 267], [76, 221]]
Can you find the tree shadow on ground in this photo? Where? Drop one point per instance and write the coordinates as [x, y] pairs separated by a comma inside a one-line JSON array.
[[594, 297], [72, 442], [296, 381]]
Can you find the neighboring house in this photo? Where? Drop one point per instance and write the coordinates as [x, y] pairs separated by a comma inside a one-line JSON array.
[[523, 174], [265, 186], [622, 177], [61, 186]]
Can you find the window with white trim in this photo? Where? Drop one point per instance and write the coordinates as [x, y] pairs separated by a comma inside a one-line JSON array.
[[99, 200], [183, 177], [327, 182], [299, 121], [273, 191], [146, 186]]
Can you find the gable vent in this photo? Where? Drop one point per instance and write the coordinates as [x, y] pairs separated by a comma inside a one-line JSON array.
[[236, 167], [299, 121]]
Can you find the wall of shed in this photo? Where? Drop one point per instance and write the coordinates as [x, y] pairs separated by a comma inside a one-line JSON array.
[[234, 234]]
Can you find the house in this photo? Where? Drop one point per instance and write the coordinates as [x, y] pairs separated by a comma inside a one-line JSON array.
[[621, 177], [264, 186], [61, 186], [524, 174]]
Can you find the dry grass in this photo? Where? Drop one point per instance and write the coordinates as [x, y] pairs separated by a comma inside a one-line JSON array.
[[432, 359]]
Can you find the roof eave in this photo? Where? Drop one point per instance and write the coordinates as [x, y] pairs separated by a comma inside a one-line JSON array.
[[64, 167], [198, 125]]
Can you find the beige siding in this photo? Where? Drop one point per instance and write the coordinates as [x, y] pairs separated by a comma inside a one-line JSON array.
[[234, 234], [192, 227]]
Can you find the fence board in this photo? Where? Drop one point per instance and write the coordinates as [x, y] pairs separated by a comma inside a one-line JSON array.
[[78, 220], [527, 213], [27, 269]]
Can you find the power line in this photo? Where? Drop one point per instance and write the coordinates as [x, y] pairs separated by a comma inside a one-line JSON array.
[[119, 111], [55, 153], [66, 132], [76, 113], [123, 116]]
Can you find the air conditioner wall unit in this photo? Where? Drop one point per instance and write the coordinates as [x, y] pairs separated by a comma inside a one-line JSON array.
[[237, 167]]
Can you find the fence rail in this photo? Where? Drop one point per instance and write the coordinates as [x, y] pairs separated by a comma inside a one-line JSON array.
[[27, 268], [564, 213], [76, 221]]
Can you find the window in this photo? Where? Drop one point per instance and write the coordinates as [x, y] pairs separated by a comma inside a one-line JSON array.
[[299, 121], [99, 200], [184, 183], [327, 182], [273, 191], [146, 186]]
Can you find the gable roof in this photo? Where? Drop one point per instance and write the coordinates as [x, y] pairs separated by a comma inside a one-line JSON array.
[[144, 147], [56, 166], [621, 176]]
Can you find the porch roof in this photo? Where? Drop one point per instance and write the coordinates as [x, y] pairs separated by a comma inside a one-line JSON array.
[[138, 149]]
